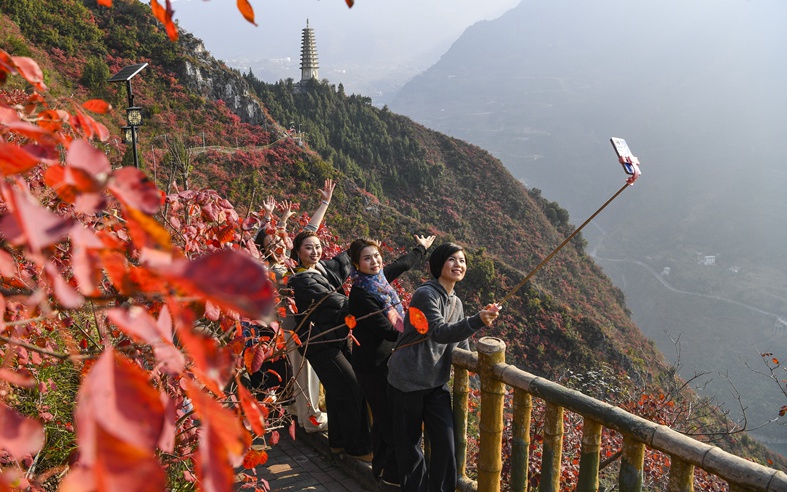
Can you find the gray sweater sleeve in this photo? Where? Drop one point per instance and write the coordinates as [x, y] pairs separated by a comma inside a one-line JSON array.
[[450, 326]]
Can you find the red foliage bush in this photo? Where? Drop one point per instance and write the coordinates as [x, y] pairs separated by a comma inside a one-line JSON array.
[[148, 316]]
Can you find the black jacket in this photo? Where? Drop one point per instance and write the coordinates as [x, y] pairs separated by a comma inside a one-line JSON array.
[[323, 286], [375, 334]]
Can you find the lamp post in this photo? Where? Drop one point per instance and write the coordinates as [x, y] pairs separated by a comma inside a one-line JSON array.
[[133, 113]]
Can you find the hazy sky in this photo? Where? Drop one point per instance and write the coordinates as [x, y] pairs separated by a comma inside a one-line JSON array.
[[384, 39]]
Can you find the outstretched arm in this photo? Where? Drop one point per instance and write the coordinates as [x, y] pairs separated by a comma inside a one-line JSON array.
[[325, 199], [407, 261]]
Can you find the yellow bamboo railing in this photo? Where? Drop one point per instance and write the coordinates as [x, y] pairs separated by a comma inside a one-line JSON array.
[[686, 454]]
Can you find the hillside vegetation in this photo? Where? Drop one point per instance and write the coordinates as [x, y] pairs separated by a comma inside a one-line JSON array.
[[396, 178]]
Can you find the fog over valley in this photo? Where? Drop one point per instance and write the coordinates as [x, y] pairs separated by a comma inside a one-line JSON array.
[[697, 89]]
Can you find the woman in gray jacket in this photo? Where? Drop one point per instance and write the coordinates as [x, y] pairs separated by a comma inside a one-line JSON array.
[[418, 373]]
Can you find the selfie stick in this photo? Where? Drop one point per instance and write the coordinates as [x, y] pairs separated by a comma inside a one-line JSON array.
[[629, 182]]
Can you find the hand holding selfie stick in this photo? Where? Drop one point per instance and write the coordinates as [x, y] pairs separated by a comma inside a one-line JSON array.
[[631, 167]]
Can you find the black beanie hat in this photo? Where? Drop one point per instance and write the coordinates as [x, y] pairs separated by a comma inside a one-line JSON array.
[[440, 255]]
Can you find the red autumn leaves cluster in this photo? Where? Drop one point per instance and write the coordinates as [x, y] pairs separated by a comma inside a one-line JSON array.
[[81, 239]]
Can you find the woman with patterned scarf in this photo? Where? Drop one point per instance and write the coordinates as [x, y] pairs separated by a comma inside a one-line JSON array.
[[379, 319]]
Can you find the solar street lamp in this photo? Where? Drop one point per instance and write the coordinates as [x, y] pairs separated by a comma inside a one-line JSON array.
[[133, 113]]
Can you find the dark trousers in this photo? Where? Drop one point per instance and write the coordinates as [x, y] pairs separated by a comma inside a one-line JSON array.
[[431, 407], [348, 421], [374, 386]]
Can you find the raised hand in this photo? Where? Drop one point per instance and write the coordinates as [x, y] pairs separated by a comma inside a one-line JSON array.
[[490, 313], [327, 191], [269, 205], [424, 241], [286, 209]]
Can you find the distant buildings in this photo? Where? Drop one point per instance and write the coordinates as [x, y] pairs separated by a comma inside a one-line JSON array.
[[707, 260]]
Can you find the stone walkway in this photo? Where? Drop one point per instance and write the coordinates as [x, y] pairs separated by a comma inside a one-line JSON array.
[[307, 463]]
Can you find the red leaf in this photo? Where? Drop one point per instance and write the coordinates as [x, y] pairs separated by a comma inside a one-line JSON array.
[[116, 267], [122, 466], [48, 154], [19, 435], [246, 10], [146, 232], [21, 378], [15, 160], [83, 156], [349, 320], [136, 322], [350, 3], [117, 397], [85, 262], [52, 119], [7, 115], [30, 131], [165, 16], [213, 365], [105, 3], [274, 438], [226, 234], [231, 279], [253, 358], [30, 70], [132, 187], [212, 311], [166, 441], [164, 323], [97, 106], [291, 306], [418, 320], [225, 426], [255, 458], [254, 413], [30, 223], [158, 11], [64, 292]]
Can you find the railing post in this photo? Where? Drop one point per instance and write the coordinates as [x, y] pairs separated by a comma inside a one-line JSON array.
[[461, 392], [520, 440], [631, 465], [681, 476], [553, 448], [491, 351], [589, 460]]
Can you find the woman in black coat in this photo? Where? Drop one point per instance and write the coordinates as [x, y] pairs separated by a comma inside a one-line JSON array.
[[322, 306], [379, 320]]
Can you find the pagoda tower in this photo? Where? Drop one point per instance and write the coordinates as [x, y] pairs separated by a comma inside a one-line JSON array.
[[309, 65]]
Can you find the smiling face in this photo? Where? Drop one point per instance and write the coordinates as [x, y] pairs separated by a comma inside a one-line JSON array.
[[310, 251], [454, 268], [370, 262], [274, 249]]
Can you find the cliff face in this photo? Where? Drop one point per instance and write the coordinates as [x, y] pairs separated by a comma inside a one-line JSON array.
[[211, 79]]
